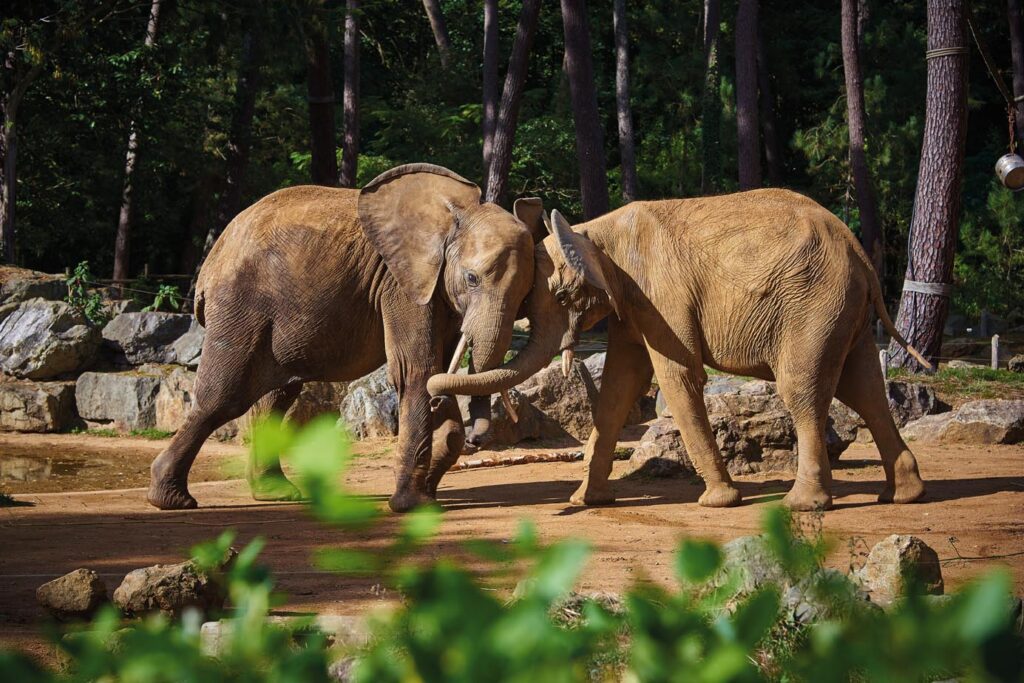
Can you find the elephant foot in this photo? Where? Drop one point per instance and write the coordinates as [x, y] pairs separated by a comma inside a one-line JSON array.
[[404, 501], [170, 496], [907, 489], [588, 494], [274, 487], [804, 497], [723, 495]]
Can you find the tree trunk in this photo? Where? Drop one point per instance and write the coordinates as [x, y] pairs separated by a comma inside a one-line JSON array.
[[323, 165], [870, 224], [1017, 55], [350, 98], [511, 96], [625, 114], [492, 93], [769, 122], [748, 156], [122, 242], [711, 102], [440, 29], [933, 230], [9, 153], [589, 134]]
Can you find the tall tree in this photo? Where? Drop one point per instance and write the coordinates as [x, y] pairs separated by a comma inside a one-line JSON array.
[[747, 129], [589, 134], [122, 241], [934, 228], [492, 92], [323, 165], [17, 76], [769, 121], [870, 224], [711, 102], [511, 97], [350, 98], [1017, 54], [440, 30], [625, 112]]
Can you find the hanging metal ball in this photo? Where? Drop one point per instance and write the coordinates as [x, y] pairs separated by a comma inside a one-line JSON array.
[[1010, 169]]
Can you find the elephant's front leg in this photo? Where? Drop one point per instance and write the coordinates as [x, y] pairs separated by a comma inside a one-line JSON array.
[[448, 442], [627, 374], [415, 442]]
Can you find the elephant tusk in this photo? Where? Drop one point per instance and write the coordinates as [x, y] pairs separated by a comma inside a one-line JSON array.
[[509, 408], [567, 357], [460, 350]]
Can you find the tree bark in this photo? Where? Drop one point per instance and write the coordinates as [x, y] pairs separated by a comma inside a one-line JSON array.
[[933, 230], [492, 92], [747, 128], [589, 134], [9, 150], [323, 165], [711, 102], [627, 149], [440, 30], [511, 98], [769, 122], [1017, 55], [122, 242], [350, 98], [870, 224]]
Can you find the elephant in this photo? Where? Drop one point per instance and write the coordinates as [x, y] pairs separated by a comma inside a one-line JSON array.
[[765, 284], [319, 283]]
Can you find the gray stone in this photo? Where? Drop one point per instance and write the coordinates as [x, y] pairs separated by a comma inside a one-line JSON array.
[[174, 399], [18, 285], [993, 421], [317, 398], [645, 408], [171, 588], [340, 631], [122, 400], [189, 346], [910, 401], [898, 564], [750, 563], [370, 408], [926, 429], [1016, 364], [146, 337], [27, 406], [569, 401], [46, 339], [76, 595], [661, 453]]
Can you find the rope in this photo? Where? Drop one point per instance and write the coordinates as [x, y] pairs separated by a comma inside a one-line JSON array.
[[944, 52], [132, 289], [933, 288]]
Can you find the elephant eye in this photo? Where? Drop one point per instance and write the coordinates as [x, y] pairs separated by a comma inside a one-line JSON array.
[[472, 279], [562, 297]]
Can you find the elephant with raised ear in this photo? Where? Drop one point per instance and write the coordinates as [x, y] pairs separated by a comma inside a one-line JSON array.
[[765, 284], [317, 283]]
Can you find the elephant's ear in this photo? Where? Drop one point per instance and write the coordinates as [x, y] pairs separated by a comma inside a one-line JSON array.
[[408, 213], [530, 210], [583, 256]]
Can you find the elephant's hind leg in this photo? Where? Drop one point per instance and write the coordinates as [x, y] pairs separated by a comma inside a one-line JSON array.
[[861, 388], [264, 474]]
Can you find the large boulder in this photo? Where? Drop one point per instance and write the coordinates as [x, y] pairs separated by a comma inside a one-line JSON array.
[[19, 284], [122, 400], [1016, 364], [37, 406], [76, 595], [661, 452], [146, 337], [189, 346], [46, 339], [899, 564], [170, 588], [910, 401], [174, 398], [985, 422], [317, 398], [644, 408], [569, 401], [370, 407]]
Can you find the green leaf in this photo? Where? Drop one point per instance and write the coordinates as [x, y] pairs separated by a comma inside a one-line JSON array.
[[697, 561], [755, 616], [347, 560], [558, 568]]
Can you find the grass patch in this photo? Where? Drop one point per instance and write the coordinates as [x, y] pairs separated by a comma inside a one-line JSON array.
[[107, 432], [152, 434], [957, 385]]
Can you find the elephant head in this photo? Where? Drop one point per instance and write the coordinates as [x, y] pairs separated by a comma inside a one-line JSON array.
[[429, 226], [574, 287]]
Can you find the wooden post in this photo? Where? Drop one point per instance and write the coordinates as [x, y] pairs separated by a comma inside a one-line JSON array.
[[883, 361], [995, 351]]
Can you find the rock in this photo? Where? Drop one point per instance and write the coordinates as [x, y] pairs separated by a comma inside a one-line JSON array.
[[750, 562], [993, 421], [370, 408], [189, 346], [532, 423], [897, 564], [37, 406], [569, 401], [317, 398], [645, 408], [1016, 364], [339, 630], [910, 401], [342, 670], [171, 588], [964, 365], [150, 337], [46, 339], [926, 429], [174, 399], [19, 284], [661, 453], [123, 400], [76, 595]]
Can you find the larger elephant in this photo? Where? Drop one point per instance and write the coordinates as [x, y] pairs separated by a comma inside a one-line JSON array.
[[765, 284], [318, 283]]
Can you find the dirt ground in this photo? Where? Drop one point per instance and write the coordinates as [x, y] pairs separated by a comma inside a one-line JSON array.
[[89, 510]]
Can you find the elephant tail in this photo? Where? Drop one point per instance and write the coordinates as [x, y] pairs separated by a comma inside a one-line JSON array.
[[883, 315]]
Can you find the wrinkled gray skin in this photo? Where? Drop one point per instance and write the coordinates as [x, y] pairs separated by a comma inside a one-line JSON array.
[[316, 283]]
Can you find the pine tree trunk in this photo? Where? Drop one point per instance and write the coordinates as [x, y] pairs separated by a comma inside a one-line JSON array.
[[511, 96], [870, 224], [323, 165], [350, 98], [122, 242], [711, 102], [1017, 55], [625, 114], [9, 154], [492, 92], [440, 30], [933, 231], [769, 122], [589, 134], [748, 156]]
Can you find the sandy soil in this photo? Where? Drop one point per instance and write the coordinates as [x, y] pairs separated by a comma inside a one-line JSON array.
[[975, 496]]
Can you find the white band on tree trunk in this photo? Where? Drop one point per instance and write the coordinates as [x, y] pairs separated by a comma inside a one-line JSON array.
[[933, 288]]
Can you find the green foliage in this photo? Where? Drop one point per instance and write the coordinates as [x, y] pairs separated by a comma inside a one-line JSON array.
[[165, 294], [83, 298], [958, 384]]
